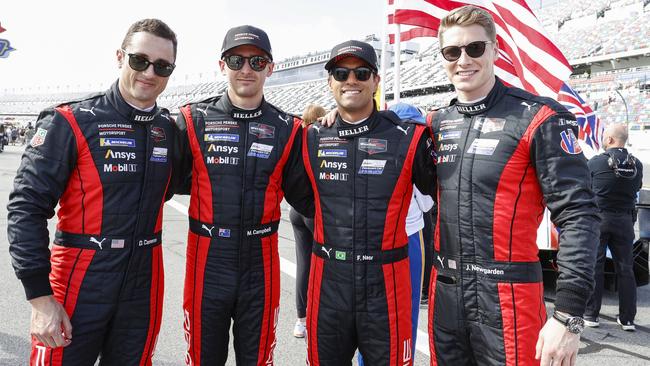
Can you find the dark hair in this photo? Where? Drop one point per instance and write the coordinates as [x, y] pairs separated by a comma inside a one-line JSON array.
[[154, 26]]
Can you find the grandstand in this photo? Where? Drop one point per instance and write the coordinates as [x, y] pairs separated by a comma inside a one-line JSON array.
[[606, 41]]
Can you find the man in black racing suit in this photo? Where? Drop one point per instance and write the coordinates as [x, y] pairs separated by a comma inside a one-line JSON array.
[[107, 161], [362, 171], [244, 155], [501, 157]]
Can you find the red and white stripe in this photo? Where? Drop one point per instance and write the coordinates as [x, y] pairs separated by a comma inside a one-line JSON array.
[[408, 32], [527, 59]]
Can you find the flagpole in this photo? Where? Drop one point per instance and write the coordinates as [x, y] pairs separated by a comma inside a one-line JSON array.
[[384, 52], [396, 59]]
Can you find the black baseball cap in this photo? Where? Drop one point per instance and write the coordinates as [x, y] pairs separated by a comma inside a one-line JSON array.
[[353, 48], [246, 35]]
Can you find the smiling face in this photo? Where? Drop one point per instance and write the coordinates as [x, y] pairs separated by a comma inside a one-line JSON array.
[[141, 88], [246, 85], [353, 97], [473, 78]]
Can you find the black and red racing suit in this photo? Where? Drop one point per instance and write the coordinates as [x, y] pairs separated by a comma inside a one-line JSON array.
[[242, 162], [360, 286], [499, 162], [108, 166]]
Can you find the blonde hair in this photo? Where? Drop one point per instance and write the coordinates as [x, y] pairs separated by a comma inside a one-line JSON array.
[[312, 112], [466, 16]]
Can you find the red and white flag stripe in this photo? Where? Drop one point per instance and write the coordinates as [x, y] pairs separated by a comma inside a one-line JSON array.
[[408, 32], [528, 58]]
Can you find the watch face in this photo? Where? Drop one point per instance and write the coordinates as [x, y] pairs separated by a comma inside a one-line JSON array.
[[575, 325]]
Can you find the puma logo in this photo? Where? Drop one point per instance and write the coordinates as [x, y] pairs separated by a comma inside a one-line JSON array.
[[204, 111], [315, 127], [99, 243], [403, 130], [206, 228], [88, 110], [528, 105], [440, 260], [284, 118], [326, 251]]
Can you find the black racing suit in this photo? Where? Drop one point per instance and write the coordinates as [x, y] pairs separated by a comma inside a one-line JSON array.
[[360, 286], [499, 162], [241, 163], [108, 166]]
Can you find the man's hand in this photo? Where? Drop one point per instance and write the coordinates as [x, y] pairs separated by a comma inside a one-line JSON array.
[[329, 119], [50, 323], [556, 346]]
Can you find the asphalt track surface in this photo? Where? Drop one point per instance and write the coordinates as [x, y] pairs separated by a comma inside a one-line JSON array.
[[607, 345]]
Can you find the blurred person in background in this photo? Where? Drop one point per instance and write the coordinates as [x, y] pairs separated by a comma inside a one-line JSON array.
[[106, 160], [303, 233], [616, 178]]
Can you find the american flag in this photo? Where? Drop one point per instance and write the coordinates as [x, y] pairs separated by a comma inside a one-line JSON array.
[[408, 32], [591, 129], [528, 59]]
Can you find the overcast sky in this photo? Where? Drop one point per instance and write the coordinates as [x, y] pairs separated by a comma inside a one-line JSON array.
[[71, 42]]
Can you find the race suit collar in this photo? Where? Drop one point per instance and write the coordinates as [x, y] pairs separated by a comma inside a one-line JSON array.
[[239, 113], [484, 104], [128, 111], [347, 130]]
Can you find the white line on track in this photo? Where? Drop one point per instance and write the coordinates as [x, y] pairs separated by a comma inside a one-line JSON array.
[[289, 268]]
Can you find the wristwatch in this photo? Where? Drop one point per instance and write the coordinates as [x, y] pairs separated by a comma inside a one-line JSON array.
[[574, 324]]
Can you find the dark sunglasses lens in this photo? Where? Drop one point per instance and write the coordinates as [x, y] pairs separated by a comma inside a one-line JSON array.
[[138, 63], [451, 53], [235, 62], [475, 49], [163, 69], [362, 73], [340, 74], [258, 63]]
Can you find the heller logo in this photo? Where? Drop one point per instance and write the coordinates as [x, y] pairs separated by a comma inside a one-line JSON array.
[[240, 115], [115, 168], [353, 131], [143, 118], [110, 154], [471, 108]]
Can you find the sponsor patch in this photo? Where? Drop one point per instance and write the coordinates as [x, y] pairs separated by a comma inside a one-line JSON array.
[[567, 122], [447, 147], [117, 243], [339, 255], [222, 160], [119, 155], [224, 233], [120, 168], [570, 143], [483, 146], [261, 130], [228, 137], [372, 166], [341, 177], [158, 134], [449, 135], [333, 165], [114, 129], [260, 150], [159, 155], [449, 124], [331, 141], [444, 159], [116, 142], [220, 126], [332, 153], [223, 149], [39, 137], [353, 131], [487, 125], [373, 146]]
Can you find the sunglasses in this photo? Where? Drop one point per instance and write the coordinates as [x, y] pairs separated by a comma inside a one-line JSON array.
[[141, 63], [342, 73], [236, 62], [474, 49]]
